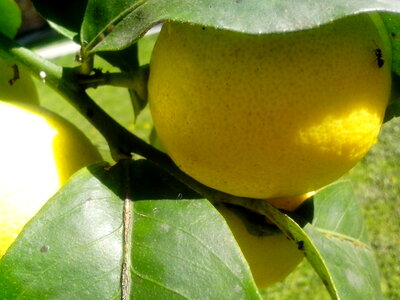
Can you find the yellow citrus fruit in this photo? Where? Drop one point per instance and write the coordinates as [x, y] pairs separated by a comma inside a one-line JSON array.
[[39, 152], [273, 115], [290, 203], [272, 257], [16, 84]]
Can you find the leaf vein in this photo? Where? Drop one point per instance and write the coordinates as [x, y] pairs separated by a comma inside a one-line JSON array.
[[160, 250], [58, 261], [210, 250], [343, 237], [155, 282]]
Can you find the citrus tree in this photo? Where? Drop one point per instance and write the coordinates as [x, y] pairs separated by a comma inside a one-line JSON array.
[[258, 108]]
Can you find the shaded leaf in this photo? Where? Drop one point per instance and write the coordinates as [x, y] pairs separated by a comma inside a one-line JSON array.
[[137, 102], [91, 242], [127, 61], [114, 25], [10, 18], [65, 16]]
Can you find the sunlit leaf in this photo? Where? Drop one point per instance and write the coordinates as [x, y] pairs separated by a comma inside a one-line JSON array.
[[129, 231], [338, 232]]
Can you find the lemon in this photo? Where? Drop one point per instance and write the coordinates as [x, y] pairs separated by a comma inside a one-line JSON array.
[[290, 203], [16, 84], [272, 257], [273, 115], [39, 152]]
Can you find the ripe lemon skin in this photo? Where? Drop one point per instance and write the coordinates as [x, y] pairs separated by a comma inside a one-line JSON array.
[[268, 116], [271, 258], [22, 90], [39, 152]]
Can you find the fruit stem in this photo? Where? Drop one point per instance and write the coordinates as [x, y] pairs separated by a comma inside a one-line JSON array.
[[134, 80], [65, 81], [86, 63]]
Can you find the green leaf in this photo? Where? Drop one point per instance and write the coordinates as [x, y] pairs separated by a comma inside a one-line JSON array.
[[90, 241], [114, 25], [10, 18], [339, 234], [127, 60], [392, 23], [334, 243], [67, 18], [72, 248]]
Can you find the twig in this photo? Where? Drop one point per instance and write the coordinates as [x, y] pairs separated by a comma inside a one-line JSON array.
[[121, 141]]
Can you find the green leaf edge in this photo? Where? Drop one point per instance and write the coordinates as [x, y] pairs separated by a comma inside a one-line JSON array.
[[105, 40]]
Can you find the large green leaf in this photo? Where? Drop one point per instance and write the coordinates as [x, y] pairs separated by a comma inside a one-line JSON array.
[[129, 231], [339, 234], [114, 25], [72, 249], [10, 18], [169, 243]]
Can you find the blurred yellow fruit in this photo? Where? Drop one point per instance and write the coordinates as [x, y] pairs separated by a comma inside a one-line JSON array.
[[274, 115], [16, 84], [39, 152], [271, 257], [290, 203]]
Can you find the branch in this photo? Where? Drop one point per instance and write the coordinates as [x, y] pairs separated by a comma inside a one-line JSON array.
[[135, 80], [65, 81], [121, 141]]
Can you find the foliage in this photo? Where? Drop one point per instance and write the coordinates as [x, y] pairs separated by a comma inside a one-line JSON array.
[[142, 227]]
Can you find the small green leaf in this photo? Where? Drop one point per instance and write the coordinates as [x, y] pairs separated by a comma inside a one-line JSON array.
[[338, 233], [336, 245], [91, 241], [10, 18], [392, 23]]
